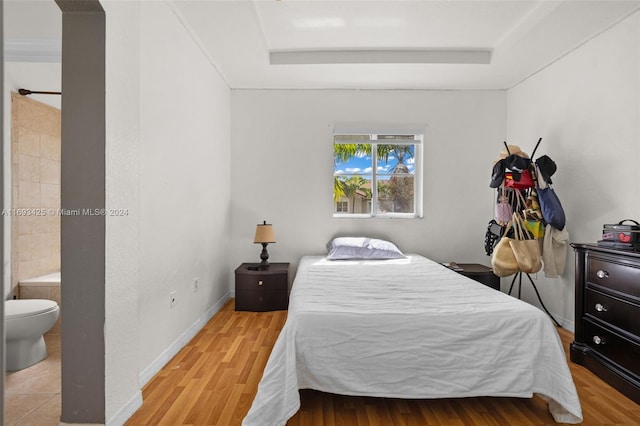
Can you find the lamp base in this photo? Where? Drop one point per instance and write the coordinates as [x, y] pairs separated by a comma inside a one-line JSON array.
[[264, 255]]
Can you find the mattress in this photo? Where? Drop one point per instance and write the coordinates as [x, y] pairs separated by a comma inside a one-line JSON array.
[[409, 328]]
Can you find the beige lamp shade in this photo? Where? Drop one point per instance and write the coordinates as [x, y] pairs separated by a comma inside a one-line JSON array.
[[264, 233]]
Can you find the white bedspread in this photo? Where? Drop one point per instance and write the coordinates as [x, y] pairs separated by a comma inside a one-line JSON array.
[[409, 328]]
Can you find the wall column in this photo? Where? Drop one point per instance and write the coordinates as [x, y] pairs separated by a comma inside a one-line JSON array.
[[82, 192]]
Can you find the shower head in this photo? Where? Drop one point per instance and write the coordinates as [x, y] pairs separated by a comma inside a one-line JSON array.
[[25, 92]]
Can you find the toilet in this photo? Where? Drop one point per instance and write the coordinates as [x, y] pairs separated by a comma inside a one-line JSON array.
[[26, 320]]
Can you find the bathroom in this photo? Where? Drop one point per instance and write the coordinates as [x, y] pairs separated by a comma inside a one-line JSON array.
[[35, 191], [35, 249], [32, 197]]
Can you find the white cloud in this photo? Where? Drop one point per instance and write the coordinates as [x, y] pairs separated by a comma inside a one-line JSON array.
[[353, 169], [339, 172]]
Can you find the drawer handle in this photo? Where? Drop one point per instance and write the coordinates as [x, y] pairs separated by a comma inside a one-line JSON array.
[[600, 308], [602, 274], [599, 340], [259, 282]]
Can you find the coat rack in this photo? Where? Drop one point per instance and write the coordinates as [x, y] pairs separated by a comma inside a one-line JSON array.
[[518, 275]]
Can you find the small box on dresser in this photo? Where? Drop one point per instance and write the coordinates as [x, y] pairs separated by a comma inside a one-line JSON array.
[[607, 311], [262, 289]]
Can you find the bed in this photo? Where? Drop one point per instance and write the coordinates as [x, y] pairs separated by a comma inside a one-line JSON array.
[[409, 328]]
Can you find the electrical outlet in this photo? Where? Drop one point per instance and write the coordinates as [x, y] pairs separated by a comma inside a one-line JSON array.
[[172, 298], [195, 284]]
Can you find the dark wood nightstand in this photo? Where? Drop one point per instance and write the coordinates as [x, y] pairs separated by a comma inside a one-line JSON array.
[[263, 289], [482, 274]]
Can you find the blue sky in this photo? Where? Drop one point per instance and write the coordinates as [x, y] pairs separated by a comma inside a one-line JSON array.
[[362, 165]]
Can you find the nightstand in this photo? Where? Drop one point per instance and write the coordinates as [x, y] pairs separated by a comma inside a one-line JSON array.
[[263, 289], [477, 272]]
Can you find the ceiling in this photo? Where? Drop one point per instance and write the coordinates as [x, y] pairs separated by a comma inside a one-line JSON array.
[[363, 44], [522, 37]]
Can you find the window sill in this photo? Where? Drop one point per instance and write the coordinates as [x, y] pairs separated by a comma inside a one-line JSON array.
[[379, 216]]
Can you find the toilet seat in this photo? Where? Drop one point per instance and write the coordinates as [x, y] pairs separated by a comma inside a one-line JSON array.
[[20, 308]]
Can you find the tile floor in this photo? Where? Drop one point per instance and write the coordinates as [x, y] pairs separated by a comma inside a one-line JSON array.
[[32, 395]]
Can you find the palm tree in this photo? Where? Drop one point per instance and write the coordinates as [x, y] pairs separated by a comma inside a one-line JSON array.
[[401, 186], [338, 188], [400, 152], [345, 151], [342, 153], [351, 186]]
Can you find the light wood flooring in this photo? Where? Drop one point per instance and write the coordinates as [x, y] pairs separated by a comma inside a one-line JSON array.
[[213, 380]]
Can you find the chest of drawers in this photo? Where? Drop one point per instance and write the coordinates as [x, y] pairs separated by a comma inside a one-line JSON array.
[[263, 289], [607, 309]]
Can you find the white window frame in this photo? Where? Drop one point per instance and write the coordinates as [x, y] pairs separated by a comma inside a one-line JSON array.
[[418, 141]]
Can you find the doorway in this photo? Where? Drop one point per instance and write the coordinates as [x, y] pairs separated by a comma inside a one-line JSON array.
[[82, 240], [32, 395]]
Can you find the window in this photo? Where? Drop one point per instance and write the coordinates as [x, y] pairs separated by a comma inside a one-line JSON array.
[[377, 175], [342, 206]]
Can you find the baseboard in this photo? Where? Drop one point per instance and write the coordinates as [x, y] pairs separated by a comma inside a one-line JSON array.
[[126, 411], [148, 373], [567, 324]]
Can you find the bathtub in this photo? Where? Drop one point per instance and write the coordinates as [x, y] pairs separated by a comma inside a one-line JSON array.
[[44, 287], [49, 280]]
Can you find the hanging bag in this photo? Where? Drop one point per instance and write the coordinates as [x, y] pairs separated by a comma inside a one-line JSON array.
[[533, 215], [552, 210], [503, 260], [492, 236], [503, 207], [535, 227], [532, 205], [525, 249], [525, 181]]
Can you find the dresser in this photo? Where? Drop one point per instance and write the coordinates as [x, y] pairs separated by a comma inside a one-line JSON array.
[[607, 327], [261, 290]]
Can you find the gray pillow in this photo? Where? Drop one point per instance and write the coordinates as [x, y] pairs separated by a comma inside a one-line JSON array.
[[345, 248]]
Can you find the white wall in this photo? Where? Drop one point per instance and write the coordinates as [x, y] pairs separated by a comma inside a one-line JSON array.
[[184, 182], [282, 165], [122, 269], [168, 150], [585, 106], [41, 76], [33, 76]]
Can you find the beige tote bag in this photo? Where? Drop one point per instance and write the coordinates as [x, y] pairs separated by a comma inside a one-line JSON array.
[[503, 261], [526, 251]]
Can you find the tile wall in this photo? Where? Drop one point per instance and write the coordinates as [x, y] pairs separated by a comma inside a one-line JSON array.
[[35, 168]]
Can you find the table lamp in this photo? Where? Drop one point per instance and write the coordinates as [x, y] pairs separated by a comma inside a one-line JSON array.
[[264, 235]]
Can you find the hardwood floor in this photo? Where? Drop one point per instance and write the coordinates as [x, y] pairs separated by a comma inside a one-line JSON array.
[[213, 380]]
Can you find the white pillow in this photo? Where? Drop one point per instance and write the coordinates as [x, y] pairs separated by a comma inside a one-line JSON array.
[[344, 248]]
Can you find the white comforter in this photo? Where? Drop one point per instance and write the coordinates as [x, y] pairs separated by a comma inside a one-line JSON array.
[[409, 328]]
